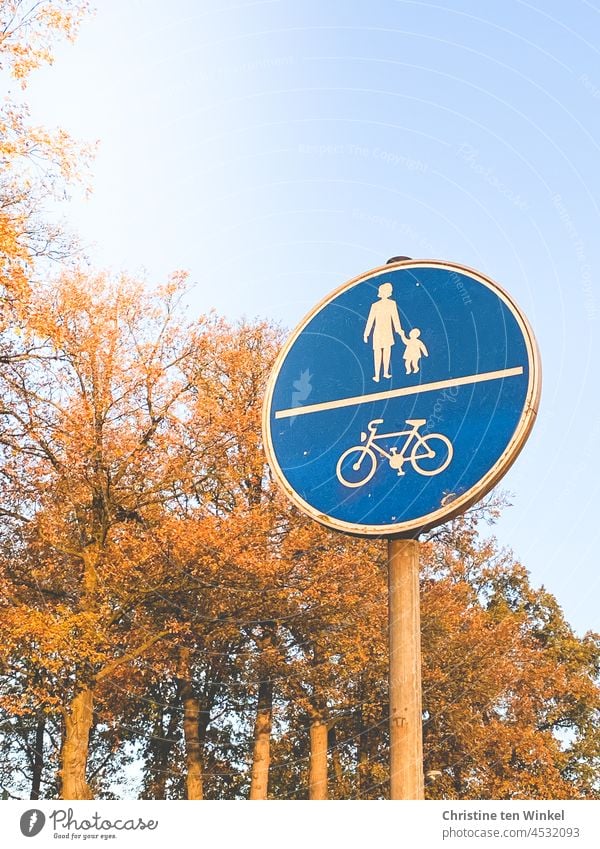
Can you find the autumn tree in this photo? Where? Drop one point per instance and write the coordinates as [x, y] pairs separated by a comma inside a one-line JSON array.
[[89, 464], [228, 462], [336, 629], [511, 694], [35, 164]]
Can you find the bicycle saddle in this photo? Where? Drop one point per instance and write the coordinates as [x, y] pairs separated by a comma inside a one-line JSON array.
[[415, 422]]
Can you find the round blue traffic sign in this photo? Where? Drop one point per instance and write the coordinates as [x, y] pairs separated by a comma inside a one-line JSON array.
[[401, 399]]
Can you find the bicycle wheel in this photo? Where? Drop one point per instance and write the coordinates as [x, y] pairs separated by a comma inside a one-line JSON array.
[[346, 471], [435, 454]]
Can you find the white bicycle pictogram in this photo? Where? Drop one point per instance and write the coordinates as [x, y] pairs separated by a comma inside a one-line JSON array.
[[422, 448]]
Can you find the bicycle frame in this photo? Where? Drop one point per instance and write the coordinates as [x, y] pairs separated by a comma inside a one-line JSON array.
[[372, 440]]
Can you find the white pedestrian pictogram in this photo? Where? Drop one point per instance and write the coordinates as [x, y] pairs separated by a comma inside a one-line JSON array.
[[423, 449], [383, 322], [414, 350]]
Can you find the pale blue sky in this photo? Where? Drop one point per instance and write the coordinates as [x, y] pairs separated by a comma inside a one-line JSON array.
[[277, 149]]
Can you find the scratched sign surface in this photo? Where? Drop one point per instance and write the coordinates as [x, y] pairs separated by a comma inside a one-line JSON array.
[[401, 399]]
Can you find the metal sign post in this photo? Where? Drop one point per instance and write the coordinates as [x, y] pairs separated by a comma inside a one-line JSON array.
[[406, 734], [397, 403]]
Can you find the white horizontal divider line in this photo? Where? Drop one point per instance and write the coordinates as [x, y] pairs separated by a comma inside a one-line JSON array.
[[396, 393]]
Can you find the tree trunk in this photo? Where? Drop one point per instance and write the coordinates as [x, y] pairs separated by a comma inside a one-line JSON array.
[[317, 775], [74, 754], [259, 785], [38, 758], [193, 749], [363, 757], [159, 751], [79, 716], [335, 759], [191, 728]]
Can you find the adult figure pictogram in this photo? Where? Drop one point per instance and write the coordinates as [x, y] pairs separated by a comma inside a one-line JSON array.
[[383, 320]]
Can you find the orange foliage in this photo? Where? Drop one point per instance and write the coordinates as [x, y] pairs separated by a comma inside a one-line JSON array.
[[35, 164], [28, 30]]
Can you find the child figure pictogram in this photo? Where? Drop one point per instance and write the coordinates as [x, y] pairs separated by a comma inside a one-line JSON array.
[[414, 350]]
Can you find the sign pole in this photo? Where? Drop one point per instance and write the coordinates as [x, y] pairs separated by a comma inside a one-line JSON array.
[[406, 735]]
